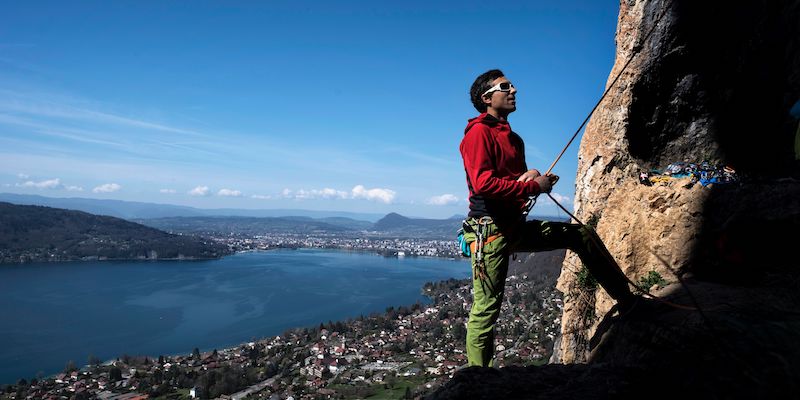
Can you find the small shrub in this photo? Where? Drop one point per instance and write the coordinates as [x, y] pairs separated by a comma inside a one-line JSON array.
[[593, 220], [652, 278], [585, 278]]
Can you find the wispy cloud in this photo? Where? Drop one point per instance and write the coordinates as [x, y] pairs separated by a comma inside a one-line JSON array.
[[74, 188], [443, 200], [326, 193], [107, 188], [261, 197], [168, 191], [45, 184], [39, 116], [229, 193], [309, 194], [43, 105], [358, 192], [199, 191], [565, 201], [79, 135]]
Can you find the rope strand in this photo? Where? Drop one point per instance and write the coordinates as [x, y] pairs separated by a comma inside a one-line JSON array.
[[637, 49]]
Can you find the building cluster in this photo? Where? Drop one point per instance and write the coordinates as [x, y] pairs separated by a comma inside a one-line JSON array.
[[417, 347], [391, 247]]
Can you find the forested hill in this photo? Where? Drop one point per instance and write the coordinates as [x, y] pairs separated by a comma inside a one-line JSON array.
[[35, 233]]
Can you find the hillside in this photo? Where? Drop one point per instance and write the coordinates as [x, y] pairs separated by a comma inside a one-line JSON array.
[[401, 226], [35, 233]]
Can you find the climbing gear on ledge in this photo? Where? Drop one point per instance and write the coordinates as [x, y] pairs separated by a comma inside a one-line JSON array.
[[705, 173]]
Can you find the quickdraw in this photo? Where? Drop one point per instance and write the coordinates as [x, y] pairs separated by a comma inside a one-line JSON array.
[[481, 240]]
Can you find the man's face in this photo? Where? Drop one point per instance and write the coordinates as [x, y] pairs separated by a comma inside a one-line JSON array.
[[502, 101]]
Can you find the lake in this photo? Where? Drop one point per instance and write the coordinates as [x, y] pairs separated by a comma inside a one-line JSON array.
[[51, 313]]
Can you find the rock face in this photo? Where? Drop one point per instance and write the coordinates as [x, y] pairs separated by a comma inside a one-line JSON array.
[[714, 81]]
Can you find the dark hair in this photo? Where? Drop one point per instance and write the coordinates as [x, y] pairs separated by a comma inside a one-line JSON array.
[[482, 84]]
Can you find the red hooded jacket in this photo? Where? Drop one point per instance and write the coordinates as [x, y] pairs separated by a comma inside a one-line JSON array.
[[494, 157]]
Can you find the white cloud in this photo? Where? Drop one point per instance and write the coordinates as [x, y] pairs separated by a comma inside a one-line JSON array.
[[73, 188], [46, 184], [326, 193], [229, 193], [377, 194], [199, 191], [261, 197], [358, 192], [168, 191], [107, 188], [22, 176], [561, 199], [443, 200]]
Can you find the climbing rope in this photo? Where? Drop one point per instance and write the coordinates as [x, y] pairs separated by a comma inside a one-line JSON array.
[[636, 50], [532, 200]]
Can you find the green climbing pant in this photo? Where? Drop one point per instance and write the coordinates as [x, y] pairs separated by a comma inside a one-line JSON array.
[[490, 266]]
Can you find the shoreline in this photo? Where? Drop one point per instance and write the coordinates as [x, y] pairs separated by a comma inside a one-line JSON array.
[[192, 259], [206, 351], [423, 298]]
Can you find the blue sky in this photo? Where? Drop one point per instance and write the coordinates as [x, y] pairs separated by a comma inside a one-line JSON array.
[[349, 106]]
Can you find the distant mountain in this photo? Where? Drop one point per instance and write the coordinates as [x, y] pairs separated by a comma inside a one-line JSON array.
[[139, 210], [399, 225], [250, 226], [36, 233]]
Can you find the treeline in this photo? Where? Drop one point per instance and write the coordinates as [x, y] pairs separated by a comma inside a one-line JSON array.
[[35, 233]]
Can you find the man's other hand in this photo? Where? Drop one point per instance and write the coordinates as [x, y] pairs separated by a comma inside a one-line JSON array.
[[529, 175], [545, 184]]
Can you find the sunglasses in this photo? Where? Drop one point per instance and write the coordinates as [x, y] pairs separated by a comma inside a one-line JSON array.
[[502, 87]]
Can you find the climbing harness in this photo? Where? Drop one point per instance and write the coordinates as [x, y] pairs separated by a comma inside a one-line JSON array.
[[475, 248]]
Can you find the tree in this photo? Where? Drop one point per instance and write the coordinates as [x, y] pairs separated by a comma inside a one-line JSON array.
[[115, 374], [391, 380], [459, 332], [408, 394], [93, 360], [196, 353], [70, 367]]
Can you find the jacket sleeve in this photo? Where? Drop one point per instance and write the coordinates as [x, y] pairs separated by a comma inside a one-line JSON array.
[[479, 163]]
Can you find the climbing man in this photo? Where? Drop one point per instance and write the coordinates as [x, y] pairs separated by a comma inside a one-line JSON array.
[[499, 185]]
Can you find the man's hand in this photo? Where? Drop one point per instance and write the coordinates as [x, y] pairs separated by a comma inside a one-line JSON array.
[[546, 182], [529, 175]]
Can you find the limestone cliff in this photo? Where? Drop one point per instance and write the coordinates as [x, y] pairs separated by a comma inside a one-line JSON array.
[[715, 81]]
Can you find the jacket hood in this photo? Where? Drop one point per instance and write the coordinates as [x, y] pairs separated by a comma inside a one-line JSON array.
[[486, 119]]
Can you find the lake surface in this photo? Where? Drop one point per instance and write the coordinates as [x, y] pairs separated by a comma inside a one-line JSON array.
[[51, 313]]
